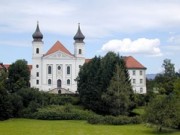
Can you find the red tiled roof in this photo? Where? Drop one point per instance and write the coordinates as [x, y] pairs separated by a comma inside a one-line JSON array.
[[58, 47], [7, 66], [132, 63], [87, 60]]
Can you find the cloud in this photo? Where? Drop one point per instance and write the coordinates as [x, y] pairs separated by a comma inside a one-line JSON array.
[[145, 46], [98, 18]]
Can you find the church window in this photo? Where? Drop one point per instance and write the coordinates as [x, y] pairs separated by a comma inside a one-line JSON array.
[[68, 70], [49, 81], [80, 51], [37, 81], [37, 74], [37, 50], [49, 70], [68, 82], [59, 67], [37, 66], [134, 72]]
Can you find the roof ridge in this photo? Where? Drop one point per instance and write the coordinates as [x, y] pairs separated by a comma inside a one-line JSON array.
[[58, 46]]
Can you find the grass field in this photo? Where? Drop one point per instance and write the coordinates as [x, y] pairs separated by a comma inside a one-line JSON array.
[[44, 127]]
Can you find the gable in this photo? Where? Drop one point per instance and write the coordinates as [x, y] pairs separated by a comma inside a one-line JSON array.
[[58, 55], [58, 47]]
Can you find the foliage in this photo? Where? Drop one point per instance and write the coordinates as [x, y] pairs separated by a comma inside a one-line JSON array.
[[5, 105], [94, 81], [164, 111], [117, 96], [164, 81], [67, 112], [111, 120], [169, 69], [19, 76]]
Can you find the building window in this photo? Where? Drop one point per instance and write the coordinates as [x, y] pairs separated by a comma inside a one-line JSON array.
[[59, 67], [37, 82], [37, 66], [80, 51], [141, 90], [134, 72], [49, 81], [141, 81], [49, 70], [37, 50], [37, 74], [140, 72], [68, 70], [68, 82], [134, 81]]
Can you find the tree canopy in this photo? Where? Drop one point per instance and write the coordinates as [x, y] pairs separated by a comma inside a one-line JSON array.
[[19, 75], [95, 83]]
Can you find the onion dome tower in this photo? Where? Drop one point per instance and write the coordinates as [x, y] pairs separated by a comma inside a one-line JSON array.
[[37, 35], [79, 49], [37, 42]]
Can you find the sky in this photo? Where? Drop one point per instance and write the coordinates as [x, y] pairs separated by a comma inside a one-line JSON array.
[[148, 30]]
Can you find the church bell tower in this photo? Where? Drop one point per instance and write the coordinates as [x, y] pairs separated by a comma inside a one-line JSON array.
[[79, 45]]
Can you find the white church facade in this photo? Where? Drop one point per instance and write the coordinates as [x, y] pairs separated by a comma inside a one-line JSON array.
[[57, 69]]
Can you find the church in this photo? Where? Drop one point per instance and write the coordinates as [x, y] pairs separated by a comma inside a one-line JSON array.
[[56, 70]]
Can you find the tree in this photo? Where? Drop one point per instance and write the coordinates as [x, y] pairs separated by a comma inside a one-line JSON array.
[[88, 84], [19, 75], [164, 81], [117, 96], [164, 111], [94, 79], [5, 105], [169, 69]]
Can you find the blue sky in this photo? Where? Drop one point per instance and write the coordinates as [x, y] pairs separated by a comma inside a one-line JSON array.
[[148, 30]]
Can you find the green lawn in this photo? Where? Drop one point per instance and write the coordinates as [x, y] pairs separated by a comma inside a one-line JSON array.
[[45, 127]]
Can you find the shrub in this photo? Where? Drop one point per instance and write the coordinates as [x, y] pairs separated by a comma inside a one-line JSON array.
[[67, 112], [112, 120]]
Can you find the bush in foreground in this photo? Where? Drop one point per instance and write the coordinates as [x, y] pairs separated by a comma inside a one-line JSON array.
[[67, 112], [112, 120]]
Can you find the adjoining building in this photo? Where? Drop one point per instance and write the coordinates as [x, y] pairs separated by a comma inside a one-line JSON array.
[[56, 70]]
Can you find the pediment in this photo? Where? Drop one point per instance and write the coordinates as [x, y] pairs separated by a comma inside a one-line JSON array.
[[59, 55]]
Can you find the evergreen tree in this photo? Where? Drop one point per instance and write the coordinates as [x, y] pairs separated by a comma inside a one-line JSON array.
[[117, 96], [94, 79], [88, 84]]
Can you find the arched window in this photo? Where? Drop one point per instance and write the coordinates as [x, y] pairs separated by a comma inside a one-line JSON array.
[[68, 70], [68, 82], [49, 69], [59, 68], [37, 50], [80, 51], [49, 81]]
